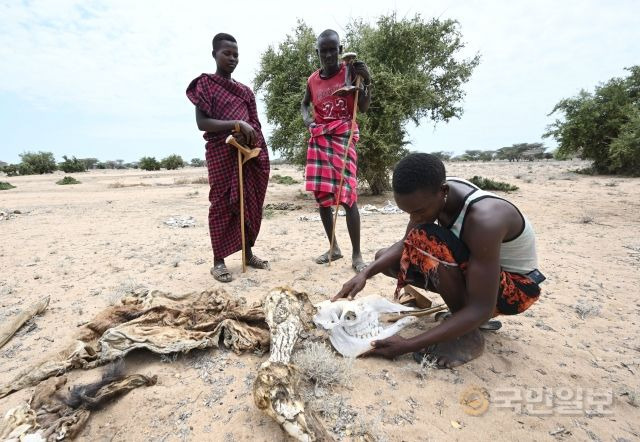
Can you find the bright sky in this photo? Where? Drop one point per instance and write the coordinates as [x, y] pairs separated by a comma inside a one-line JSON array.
[[106, 79]]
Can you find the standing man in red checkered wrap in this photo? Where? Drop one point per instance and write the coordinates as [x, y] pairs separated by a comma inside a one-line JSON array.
[[330, 125], [225, 106]]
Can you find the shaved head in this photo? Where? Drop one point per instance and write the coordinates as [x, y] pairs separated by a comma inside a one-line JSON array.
[[328, 33]]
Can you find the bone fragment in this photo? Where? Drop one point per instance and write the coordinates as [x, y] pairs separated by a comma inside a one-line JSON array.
[[8, 330]]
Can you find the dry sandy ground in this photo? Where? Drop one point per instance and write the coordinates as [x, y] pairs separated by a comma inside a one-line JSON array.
[[86, 245]]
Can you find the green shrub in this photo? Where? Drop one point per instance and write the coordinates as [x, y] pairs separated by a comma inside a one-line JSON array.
[[149, 163], [172, 162], [197, 162], [602, 126], [72, 165], [26, 169], [37, 163], [11, 169], [67, 180], [489, 184], [287, 180], [585, 171], [6, 186], [624, 151]]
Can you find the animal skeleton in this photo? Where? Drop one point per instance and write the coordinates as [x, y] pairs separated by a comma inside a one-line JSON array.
[[276, 388], [353, 325]]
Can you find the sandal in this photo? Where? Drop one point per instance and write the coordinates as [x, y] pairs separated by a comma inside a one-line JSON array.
[[441, 316], [324, 258], [221, 273], [258, 263], [491, 325]]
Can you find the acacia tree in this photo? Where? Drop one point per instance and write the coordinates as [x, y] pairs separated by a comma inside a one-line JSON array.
[[602, 126], [282, 78], [37, 163], [416, 71], [443, 155], [521, 151]]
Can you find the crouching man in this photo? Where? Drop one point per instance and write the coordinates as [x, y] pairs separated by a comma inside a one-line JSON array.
[[475, 249]]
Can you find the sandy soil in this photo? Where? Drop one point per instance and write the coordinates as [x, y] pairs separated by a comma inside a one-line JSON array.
[[86, 245]]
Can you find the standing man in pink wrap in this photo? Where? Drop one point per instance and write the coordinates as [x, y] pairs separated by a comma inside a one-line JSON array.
[[225, 106]]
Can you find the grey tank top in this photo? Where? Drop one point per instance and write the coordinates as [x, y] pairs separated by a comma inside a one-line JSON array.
[[517, 255]]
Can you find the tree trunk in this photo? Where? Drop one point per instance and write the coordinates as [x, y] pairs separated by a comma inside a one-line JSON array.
[[379, 184]]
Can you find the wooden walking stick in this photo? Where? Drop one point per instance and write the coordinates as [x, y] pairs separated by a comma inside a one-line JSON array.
[[348, 57], [240, 178], [244, 155]]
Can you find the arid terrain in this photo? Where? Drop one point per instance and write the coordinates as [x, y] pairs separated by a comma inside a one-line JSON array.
[[87, 245]]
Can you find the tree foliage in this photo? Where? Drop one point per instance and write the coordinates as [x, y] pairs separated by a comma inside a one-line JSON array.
[[476, 155], [624, 150], [36, 163], [149, 163], [442, 155], [72, 165], [602, 126], [197, 162], [11, 169], [89, 163], [416, 74], [282, 78], [521, 151], [172, 162]]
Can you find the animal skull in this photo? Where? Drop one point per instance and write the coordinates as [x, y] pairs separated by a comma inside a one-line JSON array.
[[352, 325]]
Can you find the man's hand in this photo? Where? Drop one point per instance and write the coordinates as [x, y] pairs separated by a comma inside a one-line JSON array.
[[250, 136], [352, 287], [240, 138], [361, 69], [388, 348]]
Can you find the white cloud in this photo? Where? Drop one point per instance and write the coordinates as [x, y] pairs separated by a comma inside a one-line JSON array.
[[133, 60]]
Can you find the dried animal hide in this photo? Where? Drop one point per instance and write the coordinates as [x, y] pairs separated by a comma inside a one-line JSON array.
[[352, 325], [160, 322], [77, 355], [54, 415], [275, 391]]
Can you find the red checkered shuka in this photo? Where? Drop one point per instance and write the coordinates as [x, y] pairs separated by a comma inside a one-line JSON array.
[[325, 156], [226, 99]]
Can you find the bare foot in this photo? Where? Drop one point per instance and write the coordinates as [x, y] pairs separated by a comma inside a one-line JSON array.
[[358, 264], [456, 352]]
